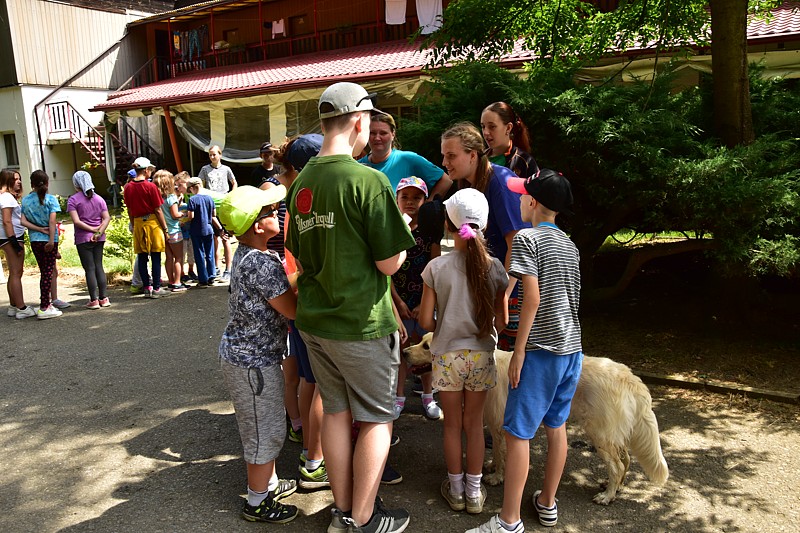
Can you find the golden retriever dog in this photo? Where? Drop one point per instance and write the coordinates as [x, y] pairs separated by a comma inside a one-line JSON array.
[[611, 404]]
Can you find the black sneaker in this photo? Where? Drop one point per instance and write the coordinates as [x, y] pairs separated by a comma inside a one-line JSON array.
[[390, 476], [269, 511], [383, 520]]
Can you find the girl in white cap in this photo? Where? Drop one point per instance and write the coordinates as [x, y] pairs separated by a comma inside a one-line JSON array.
[[465, 326]]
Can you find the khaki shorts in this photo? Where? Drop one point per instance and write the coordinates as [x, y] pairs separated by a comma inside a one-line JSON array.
[[464, 370], [356, 376], [148, 237]]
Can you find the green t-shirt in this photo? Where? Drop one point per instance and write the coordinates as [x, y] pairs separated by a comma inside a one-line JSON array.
[[343, 218]]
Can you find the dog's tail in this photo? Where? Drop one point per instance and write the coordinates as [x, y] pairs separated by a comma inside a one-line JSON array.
[[645, 440]]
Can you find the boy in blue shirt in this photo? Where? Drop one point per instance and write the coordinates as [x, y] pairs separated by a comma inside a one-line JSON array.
[[253, 344]]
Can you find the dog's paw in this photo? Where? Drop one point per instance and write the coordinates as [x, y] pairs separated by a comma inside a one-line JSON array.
[[488, 466], [493, 479], [603, 498]]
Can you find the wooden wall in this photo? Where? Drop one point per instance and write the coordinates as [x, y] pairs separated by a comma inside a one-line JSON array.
[[53, 41]]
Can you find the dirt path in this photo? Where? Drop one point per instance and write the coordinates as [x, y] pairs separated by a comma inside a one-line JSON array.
[[116, 420]]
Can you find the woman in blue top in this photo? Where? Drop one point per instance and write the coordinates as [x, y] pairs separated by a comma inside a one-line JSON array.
[[467, 163], [397, 164]]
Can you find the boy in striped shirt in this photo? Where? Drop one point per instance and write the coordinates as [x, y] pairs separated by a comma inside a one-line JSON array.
[[547, 359]]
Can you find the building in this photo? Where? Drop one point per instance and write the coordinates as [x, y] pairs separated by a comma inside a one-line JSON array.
[[239, 72], [49, 80]]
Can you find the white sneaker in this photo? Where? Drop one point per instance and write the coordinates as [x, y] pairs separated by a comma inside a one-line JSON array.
[[161, 291], [25, 313], [398, 408], [432, 410], [493, 526], [12, 311], [50, 312]]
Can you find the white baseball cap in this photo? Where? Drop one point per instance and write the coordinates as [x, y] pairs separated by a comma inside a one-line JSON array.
[[142, 162], [343, 98], [468, 206]]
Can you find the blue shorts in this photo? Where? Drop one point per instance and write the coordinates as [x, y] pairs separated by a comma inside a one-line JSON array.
[[298, 349], [546, 387]]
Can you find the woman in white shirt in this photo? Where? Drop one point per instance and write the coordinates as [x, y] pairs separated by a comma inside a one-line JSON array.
[[11, 241]]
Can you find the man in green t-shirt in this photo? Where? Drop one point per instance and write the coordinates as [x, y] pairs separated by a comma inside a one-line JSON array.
[[348, 237]]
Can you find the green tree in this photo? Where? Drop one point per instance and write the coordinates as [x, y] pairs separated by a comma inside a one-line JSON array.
[[639, 159], [576, 31]]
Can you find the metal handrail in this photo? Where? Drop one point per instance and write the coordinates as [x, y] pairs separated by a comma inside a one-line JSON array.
[[135, 144], [63, 118]]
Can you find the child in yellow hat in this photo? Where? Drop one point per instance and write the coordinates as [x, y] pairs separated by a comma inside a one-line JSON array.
[[261, 303]]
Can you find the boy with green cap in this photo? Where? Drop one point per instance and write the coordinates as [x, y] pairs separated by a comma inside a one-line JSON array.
[[261, 303]]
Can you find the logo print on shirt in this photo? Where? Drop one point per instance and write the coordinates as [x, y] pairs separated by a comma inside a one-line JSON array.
[[303, 201]]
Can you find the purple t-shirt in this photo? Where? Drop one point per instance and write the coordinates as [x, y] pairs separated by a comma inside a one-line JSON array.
[[90, 211]]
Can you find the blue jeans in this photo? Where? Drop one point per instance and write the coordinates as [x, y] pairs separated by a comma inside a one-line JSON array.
[[142, 260], [204, 256]]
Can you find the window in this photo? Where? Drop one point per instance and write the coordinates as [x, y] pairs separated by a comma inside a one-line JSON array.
[[10, 143], [302, 117]]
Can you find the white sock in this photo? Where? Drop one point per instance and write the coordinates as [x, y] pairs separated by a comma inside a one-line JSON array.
[[255, 498], [508, 527], [312, 465], [427, 398], [400, 400], [456, 483], [473, 485], [273, 482]]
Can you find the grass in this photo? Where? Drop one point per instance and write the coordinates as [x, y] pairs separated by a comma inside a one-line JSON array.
[[625, 238], [69, 255]]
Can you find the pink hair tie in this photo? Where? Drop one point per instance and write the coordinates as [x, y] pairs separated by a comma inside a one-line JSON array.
[[466, 232]]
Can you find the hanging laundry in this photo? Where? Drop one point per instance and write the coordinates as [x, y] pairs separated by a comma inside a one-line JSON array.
[[429, 13], [194, 43], [277, 27], [395, 11]]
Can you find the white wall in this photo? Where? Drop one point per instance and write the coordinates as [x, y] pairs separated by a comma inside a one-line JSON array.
[[16, 115]]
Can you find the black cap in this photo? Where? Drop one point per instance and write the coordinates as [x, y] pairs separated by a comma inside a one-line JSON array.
[[550, 188], [266, 147]]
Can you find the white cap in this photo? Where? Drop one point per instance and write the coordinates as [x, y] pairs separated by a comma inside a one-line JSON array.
[[468, 206], [343, 98], [141, 163]]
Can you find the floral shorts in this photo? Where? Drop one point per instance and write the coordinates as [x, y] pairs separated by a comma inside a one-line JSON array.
[[464, 370], [174, 238]]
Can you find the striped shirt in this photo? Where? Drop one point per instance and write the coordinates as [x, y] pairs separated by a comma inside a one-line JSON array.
[[546, 253]]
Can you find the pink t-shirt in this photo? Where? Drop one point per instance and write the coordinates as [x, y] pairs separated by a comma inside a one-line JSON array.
[[90, 211]]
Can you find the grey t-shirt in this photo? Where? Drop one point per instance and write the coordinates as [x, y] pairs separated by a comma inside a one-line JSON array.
[[217, 179], [455, 313]]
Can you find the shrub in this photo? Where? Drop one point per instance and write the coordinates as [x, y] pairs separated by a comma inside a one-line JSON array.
[[119, 240]]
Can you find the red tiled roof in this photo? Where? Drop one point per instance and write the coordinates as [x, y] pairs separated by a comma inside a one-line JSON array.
[[785, 21], [396, 59]]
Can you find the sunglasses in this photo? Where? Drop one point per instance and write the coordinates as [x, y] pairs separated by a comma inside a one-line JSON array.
[[272, 213]]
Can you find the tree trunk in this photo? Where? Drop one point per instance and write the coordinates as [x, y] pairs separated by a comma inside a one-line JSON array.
[[733, 118]]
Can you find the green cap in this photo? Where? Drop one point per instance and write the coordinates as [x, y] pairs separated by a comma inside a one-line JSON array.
[[239, 208]]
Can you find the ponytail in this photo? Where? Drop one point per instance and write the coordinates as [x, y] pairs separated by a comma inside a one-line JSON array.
[[471, 140], [520, 138], [478, 262], [39, 183]]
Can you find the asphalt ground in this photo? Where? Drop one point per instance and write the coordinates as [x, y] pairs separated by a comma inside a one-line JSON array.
[[117, 420]]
